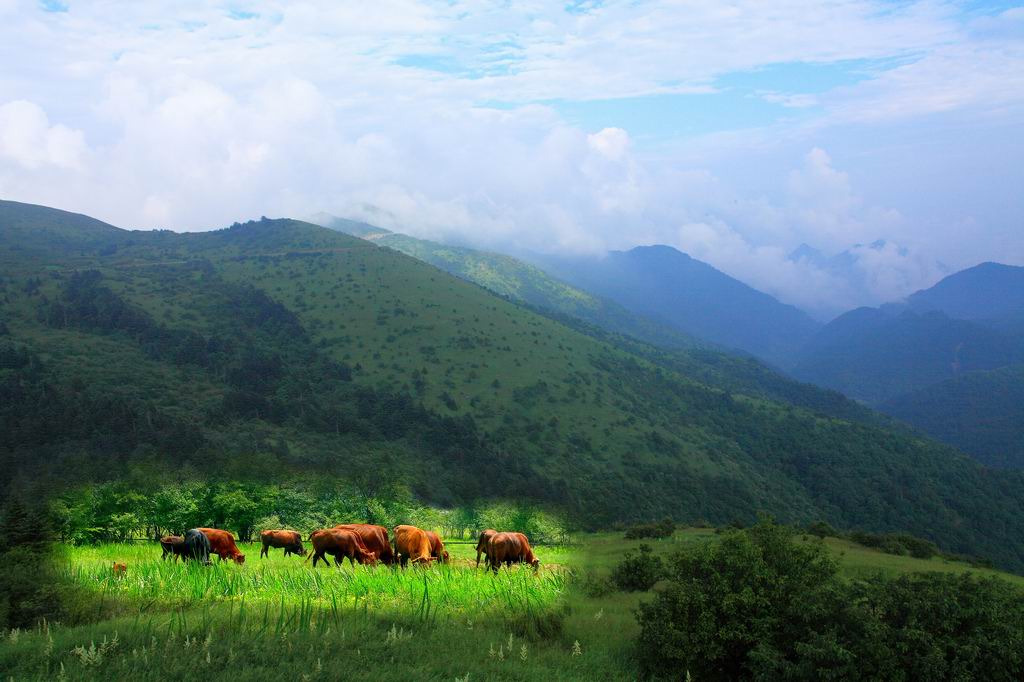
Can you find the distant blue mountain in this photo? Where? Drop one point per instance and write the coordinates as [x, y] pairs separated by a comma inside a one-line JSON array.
[[970, 321], [990, 292], [693, 297]]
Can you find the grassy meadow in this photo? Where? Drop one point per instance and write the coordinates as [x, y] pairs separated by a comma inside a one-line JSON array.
[[277, 616]]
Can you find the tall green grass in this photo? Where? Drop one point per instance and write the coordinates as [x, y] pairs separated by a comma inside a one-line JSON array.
[[454, 589]]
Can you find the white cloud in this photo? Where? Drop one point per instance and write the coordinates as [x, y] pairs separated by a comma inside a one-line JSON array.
[[441, 117], [28, 139]]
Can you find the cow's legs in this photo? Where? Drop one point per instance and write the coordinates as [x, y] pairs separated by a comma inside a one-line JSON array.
[[265, 551]]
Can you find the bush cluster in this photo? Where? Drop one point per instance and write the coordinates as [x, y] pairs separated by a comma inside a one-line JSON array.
[[759, 605], [638, 571], [661, 529], [896, 543]]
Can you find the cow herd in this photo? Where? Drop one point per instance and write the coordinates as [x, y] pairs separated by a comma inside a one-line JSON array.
[[362, 542]]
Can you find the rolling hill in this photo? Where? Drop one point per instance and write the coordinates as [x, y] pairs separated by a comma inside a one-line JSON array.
[[692, 297], [280, 350]]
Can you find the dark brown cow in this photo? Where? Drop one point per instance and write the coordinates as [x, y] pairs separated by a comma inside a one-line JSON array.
[[340, 543], [222, 543], [172, 545], [412, 544], [437, 549], [290, 540], [481, 544], [510, 548], [375, 538]]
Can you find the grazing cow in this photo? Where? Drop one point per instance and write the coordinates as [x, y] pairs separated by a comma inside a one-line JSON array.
[[375, 538], [172, 545], [437, 549], [222, 543], [412, 544], [510, 548], [119, 570], [340, 543], [290, 540], [197, 546], [481, 544]]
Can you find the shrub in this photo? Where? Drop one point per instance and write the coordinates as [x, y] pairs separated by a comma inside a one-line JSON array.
[[900, 544], [638, 572], [661, 529], [822, 529], [759, 605], [736, 607]]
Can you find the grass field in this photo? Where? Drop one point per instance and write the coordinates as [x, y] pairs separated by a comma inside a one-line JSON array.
[[277, 618], [453, 590]]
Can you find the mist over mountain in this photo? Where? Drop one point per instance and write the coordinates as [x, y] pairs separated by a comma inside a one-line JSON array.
[[866, 274], [693, 297]]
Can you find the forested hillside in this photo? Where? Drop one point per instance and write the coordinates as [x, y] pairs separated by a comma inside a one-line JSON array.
[[281, 351], [875, 354], [982, 413]]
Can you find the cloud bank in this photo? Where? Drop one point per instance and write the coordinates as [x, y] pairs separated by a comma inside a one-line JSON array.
[[734, 132]]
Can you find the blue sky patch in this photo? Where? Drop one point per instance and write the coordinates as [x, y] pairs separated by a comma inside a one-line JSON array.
[[53, 6]]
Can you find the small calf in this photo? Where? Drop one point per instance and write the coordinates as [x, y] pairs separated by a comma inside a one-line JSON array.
[[119, 569]]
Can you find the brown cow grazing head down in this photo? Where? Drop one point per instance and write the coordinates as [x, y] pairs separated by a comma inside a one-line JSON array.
[[375, 538], [437, 550], [119, 570], [289, 540], [173, 546], [222, 543], [510, 548], [481, 544], [412, 544], [340, 543]]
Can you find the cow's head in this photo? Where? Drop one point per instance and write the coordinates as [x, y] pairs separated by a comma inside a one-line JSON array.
[[119, 569], [536, 565], [368, 559], [239, 559]]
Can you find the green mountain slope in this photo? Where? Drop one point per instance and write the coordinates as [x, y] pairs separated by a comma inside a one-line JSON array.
[[519, 281], [610, 322], [278, 349], [981, 413]]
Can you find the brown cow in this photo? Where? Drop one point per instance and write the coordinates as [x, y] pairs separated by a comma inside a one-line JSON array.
[[375, 538], [412, 543], [510, 548], [172, 545], [437, 549], [481, 544], [290, 540], [222, 543], [119, 570], [340, 543]]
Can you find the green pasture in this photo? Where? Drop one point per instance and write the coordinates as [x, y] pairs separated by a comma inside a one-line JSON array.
[[454, 589], [278, 618]]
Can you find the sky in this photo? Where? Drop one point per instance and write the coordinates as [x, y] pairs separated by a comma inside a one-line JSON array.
[[734, 130]]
